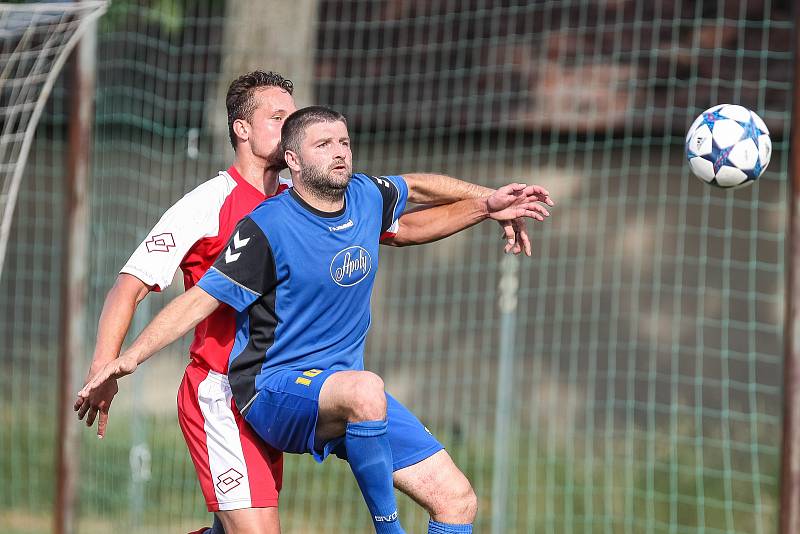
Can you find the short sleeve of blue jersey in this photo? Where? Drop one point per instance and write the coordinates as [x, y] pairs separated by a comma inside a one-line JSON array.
[[244, 270], [394, 191]]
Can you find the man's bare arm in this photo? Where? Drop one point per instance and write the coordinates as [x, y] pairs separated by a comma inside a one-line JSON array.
[[425, 188], [115, 320], [436, 189], [177, 318], [510, 202]]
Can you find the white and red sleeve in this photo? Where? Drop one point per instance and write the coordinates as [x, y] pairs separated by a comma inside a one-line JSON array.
[[193, 217]]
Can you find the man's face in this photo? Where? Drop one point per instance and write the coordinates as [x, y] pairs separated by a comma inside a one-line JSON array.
[[325, 158], [273, 105]]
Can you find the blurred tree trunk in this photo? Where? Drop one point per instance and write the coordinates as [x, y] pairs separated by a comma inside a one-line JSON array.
[[275, 35]]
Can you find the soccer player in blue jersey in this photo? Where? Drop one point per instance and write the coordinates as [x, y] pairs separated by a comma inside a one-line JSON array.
[[299, 270]]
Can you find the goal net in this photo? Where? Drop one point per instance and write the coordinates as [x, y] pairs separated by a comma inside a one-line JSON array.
[[645, 385], [35, 42]]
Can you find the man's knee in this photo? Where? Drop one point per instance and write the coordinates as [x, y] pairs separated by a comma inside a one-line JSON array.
[[458, 503], [367, 399], [467, 503], [440, 487]]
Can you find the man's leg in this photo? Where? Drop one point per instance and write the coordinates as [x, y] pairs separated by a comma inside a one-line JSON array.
[[425, 472], [441, 488], [251, 521], [237, 472], [353, 404]]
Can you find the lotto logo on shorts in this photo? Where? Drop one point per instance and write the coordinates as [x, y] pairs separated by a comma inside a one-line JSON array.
[[229, 480], [160, 243]]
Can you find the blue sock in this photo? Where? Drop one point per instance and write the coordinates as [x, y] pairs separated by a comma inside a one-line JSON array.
[[370, 458], [434, 527]]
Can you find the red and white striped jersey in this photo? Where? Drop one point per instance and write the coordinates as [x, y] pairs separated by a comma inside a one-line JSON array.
[[190, 236]]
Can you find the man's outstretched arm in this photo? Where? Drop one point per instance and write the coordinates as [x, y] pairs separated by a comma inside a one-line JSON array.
[[513, 201], [115, 320], [185, 222], [177, 318], [436, 189]]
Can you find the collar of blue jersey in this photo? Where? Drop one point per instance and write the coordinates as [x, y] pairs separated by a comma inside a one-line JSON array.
[[308, 207]]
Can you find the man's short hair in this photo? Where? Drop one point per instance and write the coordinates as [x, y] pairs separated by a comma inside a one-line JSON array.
[[240, 99], [295, 126]]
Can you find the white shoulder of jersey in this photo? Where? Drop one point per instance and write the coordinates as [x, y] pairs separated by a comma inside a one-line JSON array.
[[193, 217]]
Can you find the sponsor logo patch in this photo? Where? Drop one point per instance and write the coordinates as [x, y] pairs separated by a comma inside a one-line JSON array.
[[350, 266]]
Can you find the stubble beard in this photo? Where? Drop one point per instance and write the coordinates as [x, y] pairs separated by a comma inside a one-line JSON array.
[[323, 185]]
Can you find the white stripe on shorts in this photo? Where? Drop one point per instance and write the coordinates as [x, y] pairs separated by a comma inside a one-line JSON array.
[[225, 455]]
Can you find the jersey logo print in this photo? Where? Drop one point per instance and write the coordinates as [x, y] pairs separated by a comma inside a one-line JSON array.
[[230, 255], [160, 243], [344, 226], [385, 183], [350, 266]]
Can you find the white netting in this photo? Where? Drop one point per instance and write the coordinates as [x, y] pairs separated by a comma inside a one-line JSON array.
[[35, 41]]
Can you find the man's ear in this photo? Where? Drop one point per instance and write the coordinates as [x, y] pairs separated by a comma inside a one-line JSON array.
[[242, 129], [292, 160]]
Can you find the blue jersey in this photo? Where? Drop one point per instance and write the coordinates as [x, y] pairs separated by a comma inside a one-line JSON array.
[[301, 280]]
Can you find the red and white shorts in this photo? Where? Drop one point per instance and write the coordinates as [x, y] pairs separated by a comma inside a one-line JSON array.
[[235, 468]]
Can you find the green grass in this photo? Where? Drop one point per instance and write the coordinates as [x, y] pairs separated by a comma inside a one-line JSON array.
[[630, 484]]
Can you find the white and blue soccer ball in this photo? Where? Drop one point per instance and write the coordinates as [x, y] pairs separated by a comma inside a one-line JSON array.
[[728, 146]]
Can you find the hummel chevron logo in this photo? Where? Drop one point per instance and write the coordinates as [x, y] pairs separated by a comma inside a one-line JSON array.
[[230, 255]]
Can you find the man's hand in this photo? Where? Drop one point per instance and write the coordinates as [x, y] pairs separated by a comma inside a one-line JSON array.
[[115, 319], [177, 318], [96, 396], [510, 205], [97, 405]]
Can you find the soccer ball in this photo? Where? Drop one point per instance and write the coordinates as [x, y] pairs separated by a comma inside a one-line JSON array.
[[728, 146]]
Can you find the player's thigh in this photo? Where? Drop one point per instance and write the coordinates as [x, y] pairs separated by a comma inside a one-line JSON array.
[[440, 487], [250, 521], [234, 467]]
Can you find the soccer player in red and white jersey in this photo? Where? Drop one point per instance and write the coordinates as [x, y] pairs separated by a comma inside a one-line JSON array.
[[239, 475]]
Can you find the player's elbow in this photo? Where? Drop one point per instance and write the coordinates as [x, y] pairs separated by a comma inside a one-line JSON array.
[[404, 237], [396, 241], [127, 288], [199, 302]]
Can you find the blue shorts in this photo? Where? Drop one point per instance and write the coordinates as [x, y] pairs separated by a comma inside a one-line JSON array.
[[284, 414]]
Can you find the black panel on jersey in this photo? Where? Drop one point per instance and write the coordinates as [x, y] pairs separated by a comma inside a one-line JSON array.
[[246, 366], [247, 258], [390, 196], [248, 261], [319, 213]]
